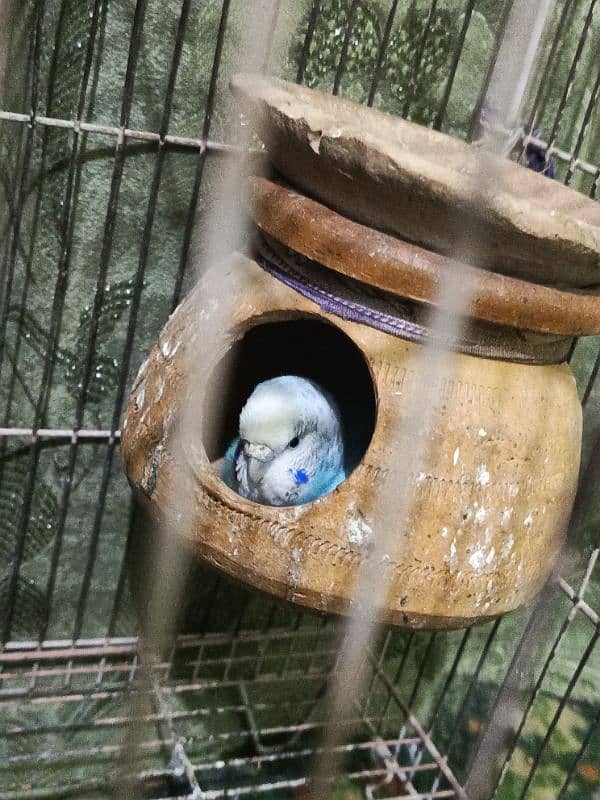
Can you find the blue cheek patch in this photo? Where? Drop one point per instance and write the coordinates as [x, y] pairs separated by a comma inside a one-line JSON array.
[[299, 476]]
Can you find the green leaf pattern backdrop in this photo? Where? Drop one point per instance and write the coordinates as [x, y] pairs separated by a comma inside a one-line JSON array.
[[413, 82]]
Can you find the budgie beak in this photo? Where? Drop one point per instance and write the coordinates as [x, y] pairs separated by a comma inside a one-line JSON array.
[[258, 451]]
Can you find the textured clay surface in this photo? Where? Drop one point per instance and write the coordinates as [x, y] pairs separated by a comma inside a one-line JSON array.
[[489, 514], [424, 186], [412, 272]]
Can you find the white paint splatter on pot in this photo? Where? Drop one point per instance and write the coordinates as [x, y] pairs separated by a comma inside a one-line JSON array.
[[168, 349], [141, 370], [139, 400], [482, 475], [477, 558], [507, 546], [451, 559], [358, 531]]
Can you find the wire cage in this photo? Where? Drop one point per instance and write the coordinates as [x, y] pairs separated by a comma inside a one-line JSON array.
[[116, 123]]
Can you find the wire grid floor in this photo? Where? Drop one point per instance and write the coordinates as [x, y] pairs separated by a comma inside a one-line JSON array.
[[221, 672], [255, 704]]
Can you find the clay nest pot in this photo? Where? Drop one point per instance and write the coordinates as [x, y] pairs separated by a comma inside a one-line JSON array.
[[340, 292]]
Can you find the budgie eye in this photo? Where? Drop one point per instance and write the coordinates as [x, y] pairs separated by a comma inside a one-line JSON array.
[[294, 442]]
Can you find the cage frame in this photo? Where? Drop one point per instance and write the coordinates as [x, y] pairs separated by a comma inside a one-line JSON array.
[[80, 655]]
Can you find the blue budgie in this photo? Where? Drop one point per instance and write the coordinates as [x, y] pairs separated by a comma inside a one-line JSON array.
[[290, 448]]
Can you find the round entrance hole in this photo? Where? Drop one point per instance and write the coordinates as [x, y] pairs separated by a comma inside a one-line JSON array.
[[309, 348]]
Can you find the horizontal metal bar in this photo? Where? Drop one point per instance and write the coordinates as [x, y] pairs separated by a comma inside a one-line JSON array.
[[53, 649], [227, 660], [299, 783], [25, 694], [212, 146], [428, 796], [305, 752], [49, 757], [551, 150], [78, 789], [194, 143], [156, 744], [67, 434], [178, 716]]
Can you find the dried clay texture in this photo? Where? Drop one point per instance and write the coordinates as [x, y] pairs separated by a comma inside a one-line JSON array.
[[389, 174], [489, 514]]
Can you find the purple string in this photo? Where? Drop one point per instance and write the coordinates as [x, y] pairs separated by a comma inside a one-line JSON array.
[[284, 270], [328, 302]]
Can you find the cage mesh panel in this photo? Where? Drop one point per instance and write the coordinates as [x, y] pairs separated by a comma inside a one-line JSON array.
[[115, 120]]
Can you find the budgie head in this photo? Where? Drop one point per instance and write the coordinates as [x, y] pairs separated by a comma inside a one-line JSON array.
[[290, 449]]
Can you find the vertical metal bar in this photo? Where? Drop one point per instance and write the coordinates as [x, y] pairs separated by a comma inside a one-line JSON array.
[[595, 186], [236, 634], [345, 47], [263, 646], [549, 658], [563, 701], [203, 623], [396, 679], [8, 266], [591, 380], [310, 32], [421, 670], [571, 77], [6, 623], [122, 579], [385, 41], [418, 59], [476, 115], [449, 679], [568, 6], [189, 226], [465, 704], [29, 258], [74, 170], [58, 300], [138, 283], [271, 35], [441, 113], [67, 238], [538, 684], [13, 357], [586, 740], [10, 191], [210, 104], [380, 659]]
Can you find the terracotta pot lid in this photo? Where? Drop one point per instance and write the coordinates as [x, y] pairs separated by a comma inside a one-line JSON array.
[[424, 186], [410, 271]]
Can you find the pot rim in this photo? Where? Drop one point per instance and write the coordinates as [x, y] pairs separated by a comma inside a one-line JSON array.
[[412, 272]]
